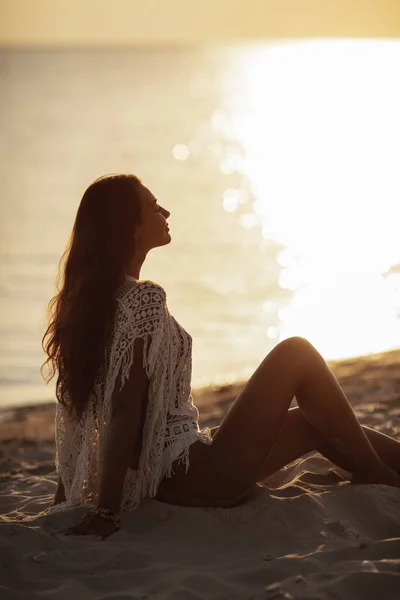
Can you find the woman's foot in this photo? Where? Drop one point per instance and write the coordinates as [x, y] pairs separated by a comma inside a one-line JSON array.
[[380, 474]]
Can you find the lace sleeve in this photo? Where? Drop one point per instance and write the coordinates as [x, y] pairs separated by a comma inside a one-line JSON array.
[[142, 315]]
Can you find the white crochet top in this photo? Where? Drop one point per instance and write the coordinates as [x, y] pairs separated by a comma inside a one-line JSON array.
[[171, 422]]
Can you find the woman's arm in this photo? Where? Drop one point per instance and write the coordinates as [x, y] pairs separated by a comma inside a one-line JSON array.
[[117, 457], [60, 492], [124, 432]]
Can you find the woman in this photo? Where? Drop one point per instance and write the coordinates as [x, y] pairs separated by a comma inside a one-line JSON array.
[[126, 425]]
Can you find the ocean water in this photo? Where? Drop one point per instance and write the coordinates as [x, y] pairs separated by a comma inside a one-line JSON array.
[[278, 163]]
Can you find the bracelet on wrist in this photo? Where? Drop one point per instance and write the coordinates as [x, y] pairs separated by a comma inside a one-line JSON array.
[[106, 514]]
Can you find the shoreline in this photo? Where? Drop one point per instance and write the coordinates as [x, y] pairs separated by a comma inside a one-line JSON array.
[[360, 377]]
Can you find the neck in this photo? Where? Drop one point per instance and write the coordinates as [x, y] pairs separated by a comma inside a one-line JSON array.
[[134, 269]]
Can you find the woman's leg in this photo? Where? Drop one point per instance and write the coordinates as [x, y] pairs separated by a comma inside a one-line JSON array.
[[248, 444], [298, 437], [249, 431]]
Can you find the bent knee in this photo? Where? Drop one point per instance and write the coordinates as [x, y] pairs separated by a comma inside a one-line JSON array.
[[296, 344], [297, 352]]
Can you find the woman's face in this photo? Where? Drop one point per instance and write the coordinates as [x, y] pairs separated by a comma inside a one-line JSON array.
[[152, 231]]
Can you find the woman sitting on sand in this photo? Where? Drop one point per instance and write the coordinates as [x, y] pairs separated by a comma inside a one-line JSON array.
[[126, 425]]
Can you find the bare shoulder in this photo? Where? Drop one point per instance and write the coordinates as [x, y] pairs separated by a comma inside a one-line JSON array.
[[136, 288], [149, 283]]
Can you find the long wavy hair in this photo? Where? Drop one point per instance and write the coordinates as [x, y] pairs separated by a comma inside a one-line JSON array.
[[80, 315]]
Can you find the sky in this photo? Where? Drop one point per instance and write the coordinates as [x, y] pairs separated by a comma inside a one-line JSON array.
[[121, 22]]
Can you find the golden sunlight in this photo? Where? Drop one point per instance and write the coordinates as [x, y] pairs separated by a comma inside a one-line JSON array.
[[320, 142]]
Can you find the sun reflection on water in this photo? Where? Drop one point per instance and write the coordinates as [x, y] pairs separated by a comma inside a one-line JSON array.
[[318, 126]]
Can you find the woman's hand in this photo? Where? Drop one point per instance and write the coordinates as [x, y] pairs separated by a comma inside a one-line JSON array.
[[92, 525]]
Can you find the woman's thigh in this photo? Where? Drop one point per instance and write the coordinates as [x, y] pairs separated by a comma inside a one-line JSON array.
[[296, 438], [231, 466]]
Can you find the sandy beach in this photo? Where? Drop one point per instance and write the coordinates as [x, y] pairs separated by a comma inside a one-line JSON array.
[[306, 533]]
